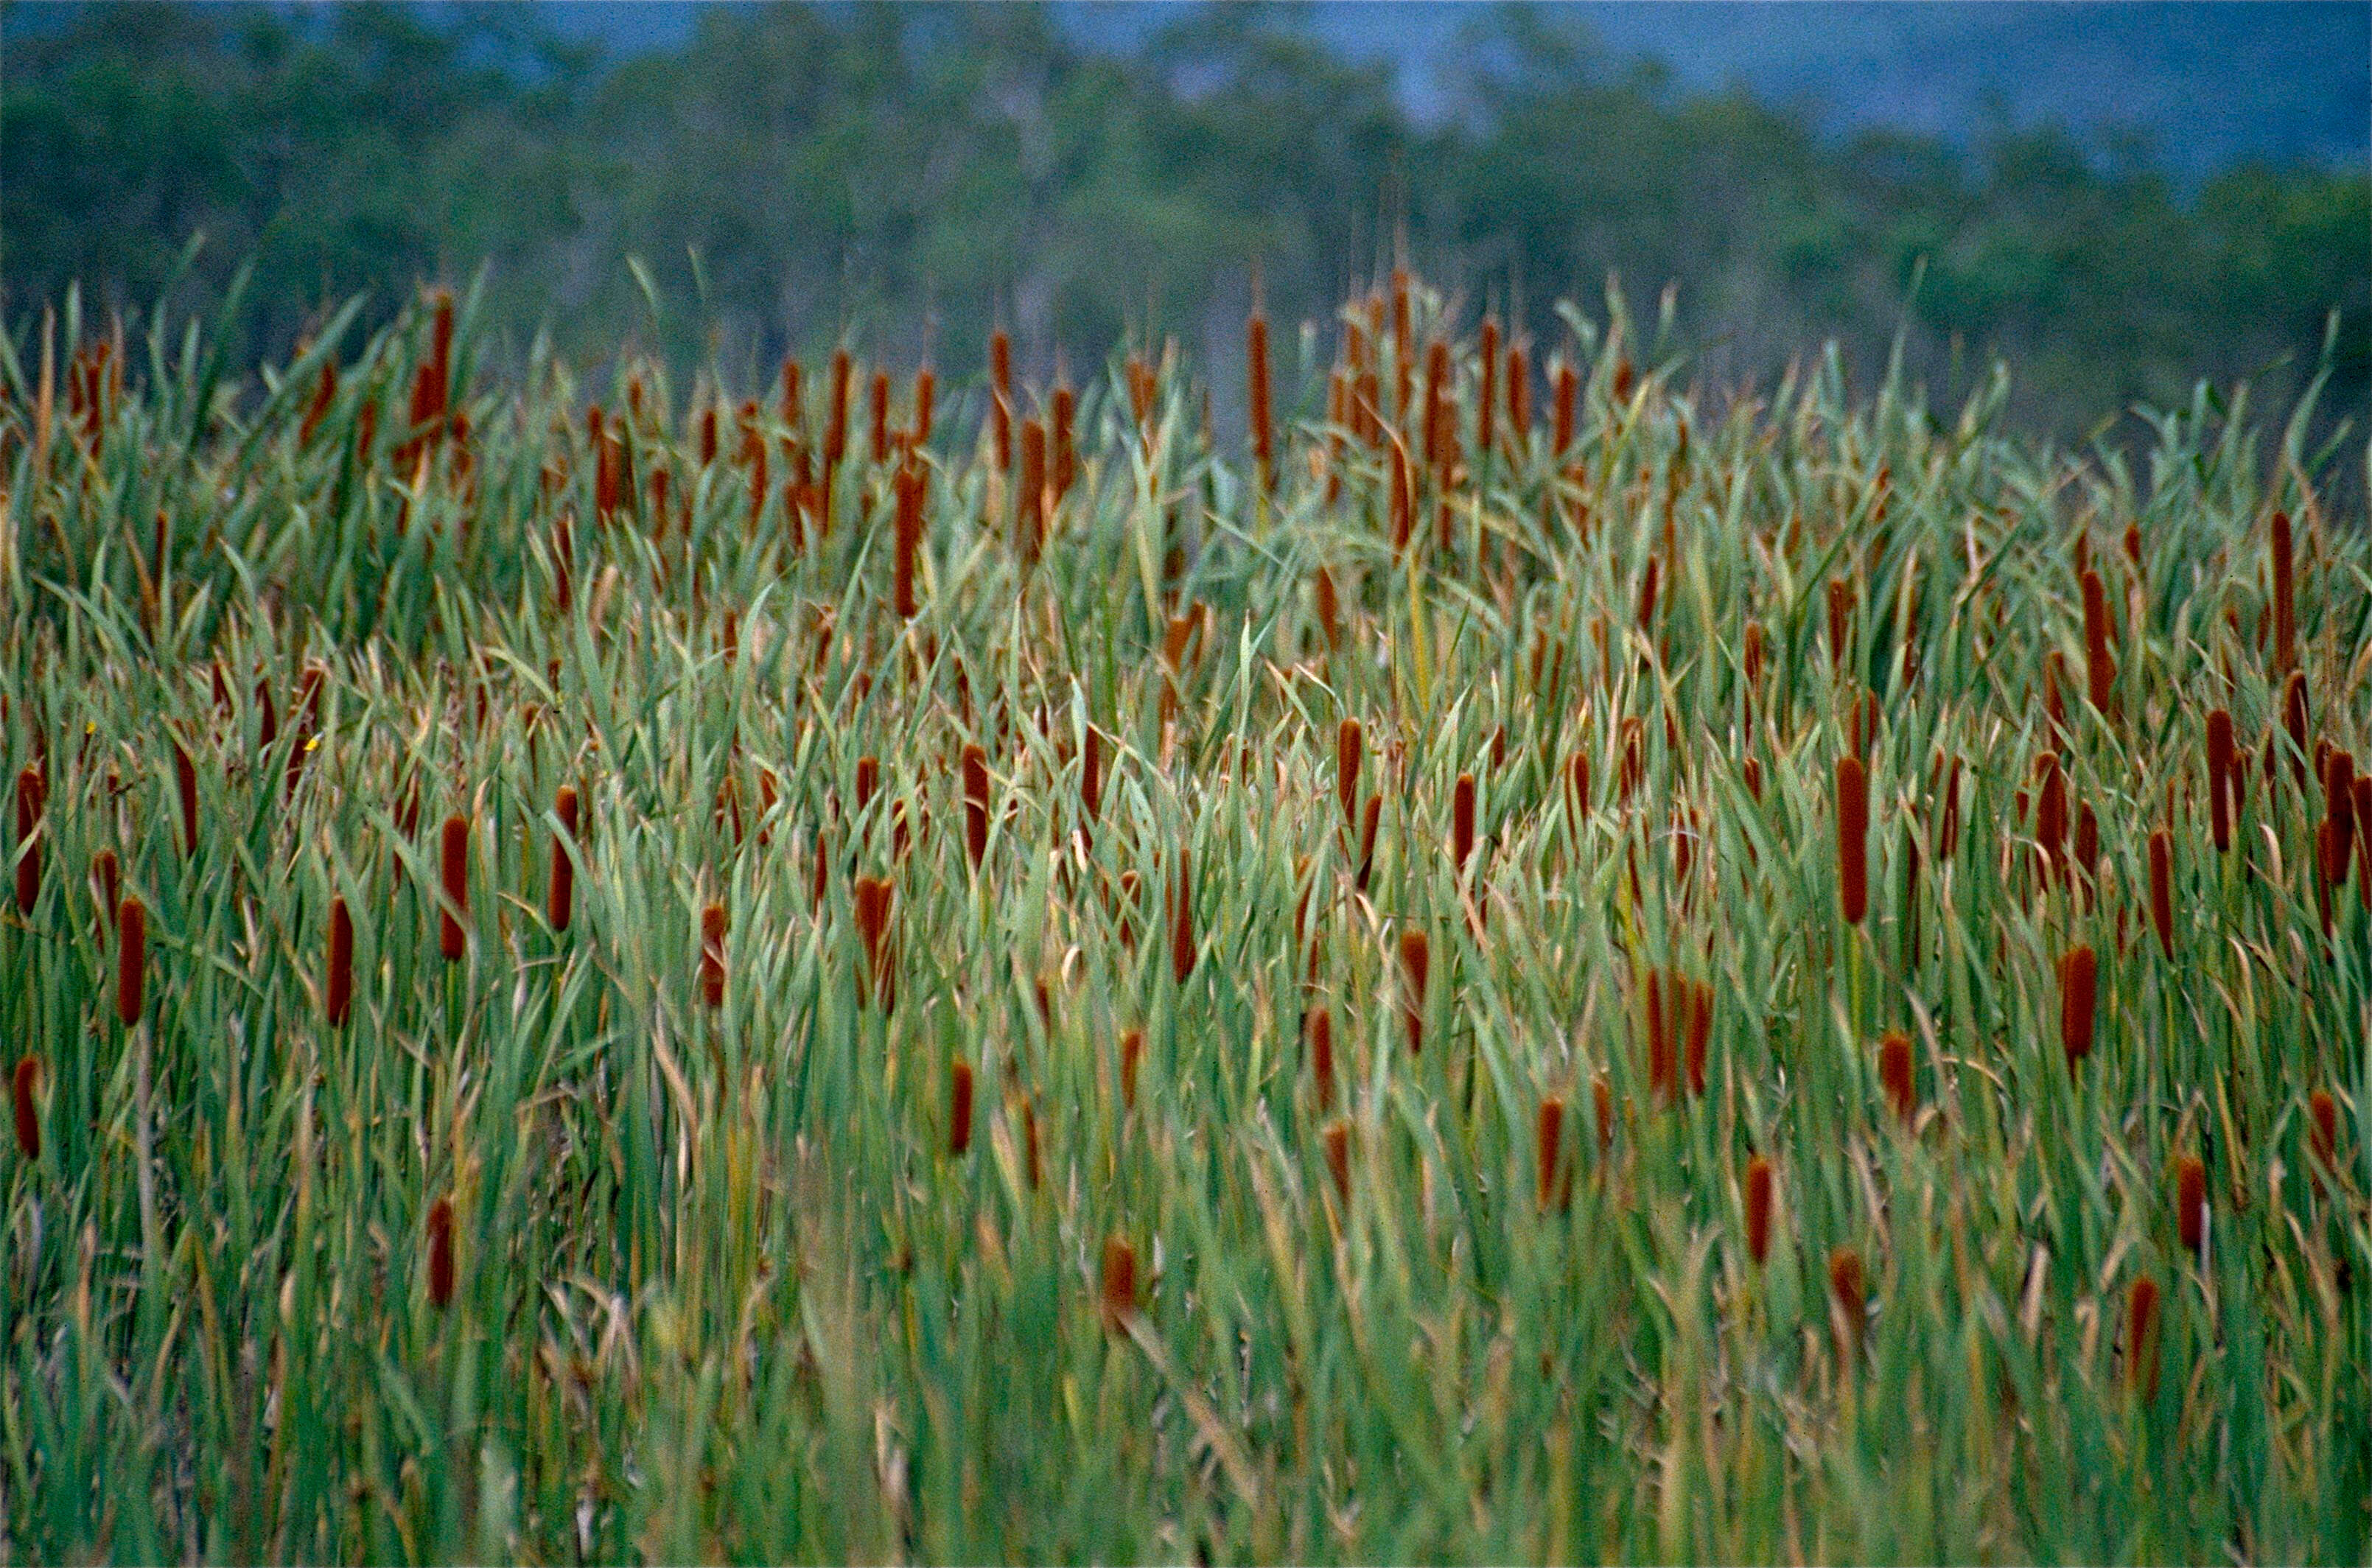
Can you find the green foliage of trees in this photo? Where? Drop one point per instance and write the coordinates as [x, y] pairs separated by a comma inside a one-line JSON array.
[[908, 176]]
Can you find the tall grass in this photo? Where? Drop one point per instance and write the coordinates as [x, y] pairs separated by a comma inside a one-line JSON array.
[[1207, 849]]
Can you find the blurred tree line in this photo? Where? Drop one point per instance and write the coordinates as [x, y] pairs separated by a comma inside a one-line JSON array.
[[905, 177]]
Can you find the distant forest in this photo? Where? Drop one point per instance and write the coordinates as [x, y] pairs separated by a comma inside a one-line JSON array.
[[903, 178]]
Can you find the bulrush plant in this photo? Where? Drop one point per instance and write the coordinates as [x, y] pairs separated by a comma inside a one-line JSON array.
[[1304, 1127], [27, 1084], [1416, 966]]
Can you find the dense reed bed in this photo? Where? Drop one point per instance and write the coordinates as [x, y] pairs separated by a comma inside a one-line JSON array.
[[1522, 965]]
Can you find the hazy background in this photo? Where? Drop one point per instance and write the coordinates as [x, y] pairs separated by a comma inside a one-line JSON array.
[[2119, 198]]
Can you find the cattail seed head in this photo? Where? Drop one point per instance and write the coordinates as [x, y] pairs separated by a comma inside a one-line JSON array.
[[2220, 784], [185, 783], [2141, 1337], [2285, 596], [108, 875], [440, 1253], [1601, 1099], [910, 484], [2323, 1113], [1132, 1053], [1257, 396], [30, 796], [1853, 840], [1350, 752], [712, 956], [873, 896], [2050, 811], [131, 959], [338, 993], [959, 1107], [1461, 822], [2190, 1201], [1758, 1209], [1548, 1144], [1181, 919], [2100, 664], [454, 868], [2079, 978], [1092, 774], [1321, 1029], [2161, 889], [1000, 403], [975, 792], [1338, 1158], [28, 1115], [1848, 1302], [1118, 1283], [560, 903], [1699, 1032], [1894, 1071], [1416, 963], [2293, 719]]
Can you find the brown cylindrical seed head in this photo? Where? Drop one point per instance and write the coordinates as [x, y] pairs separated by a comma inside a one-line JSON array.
[[2100, 664], [2079, 978], [440, 1253], [1549, 1141], [28, 1115], [2161, 889], [2190, 1201], [712, 955], [185, 783], [1257, 396], [1000, 400], [1847, 1299], [1321, 1054], [2322, 1112], [1853, 840], [1350, 752], [1461, 822], [30, 794], [975, 792], [1132, 1052], [2141, 1337], [1416, 962], [2285, 597], [1092, 774], [338, 994], [1699, 1032], [560, 905], [1758, 1209], [2220, 797], [959, 1107], [1118, 1283], [1338, 1158], [2294, 718], [1181, 920], [131, 959], [454, 868], [1601, 1099], [1895, 1071]]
